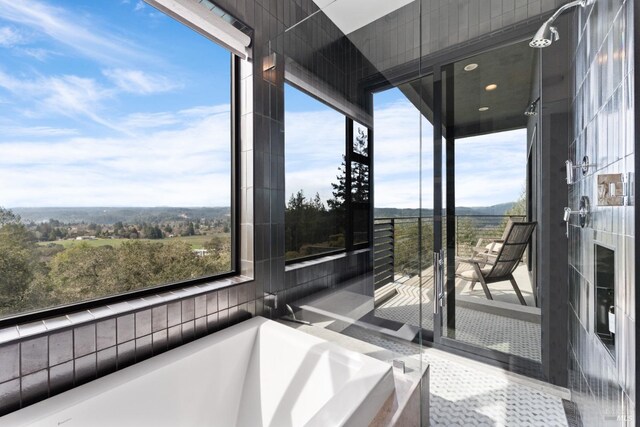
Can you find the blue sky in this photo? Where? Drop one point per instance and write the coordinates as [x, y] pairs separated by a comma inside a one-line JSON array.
[[110, 103], [490, 169]]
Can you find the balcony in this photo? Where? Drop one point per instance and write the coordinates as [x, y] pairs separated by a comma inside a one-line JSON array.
[[404, 281]]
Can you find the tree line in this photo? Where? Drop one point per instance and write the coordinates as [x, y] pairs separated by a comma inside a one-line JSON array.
[[33, 276]]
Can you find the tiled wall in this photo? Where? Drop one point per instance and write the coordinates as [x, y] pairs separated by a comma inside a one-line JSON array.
[[603, 115], [331, 272], [426, 26], [45, 358]]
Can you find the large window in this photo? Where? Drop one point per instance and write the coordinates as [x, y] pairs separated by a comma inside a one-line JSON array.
[[115, 153], [315, 179]]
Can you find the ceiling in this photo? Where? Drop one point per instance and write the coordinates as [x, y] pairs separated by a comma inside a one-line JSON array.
[[350, 15], [510, 68]]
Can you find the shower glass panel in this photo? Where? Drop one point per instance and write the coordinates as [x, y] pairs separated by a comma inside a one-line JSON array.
[[490, 304], [375, 286]]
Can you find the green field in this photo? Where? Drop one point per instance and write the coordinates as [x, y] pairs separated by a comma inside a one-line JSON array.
[[197, 242]]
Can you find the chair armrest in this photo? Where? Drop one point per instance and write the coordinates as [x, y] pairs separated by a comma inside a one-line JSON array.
[[469, 260]]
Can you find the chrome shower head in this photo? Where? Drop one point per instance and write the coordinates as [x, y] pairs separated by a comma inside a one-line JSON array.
[[532, 109], [547, 33]]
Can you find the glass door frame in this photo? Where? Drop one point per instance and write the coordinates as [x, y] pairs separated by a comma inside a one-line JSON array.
[[444, 154], [444, 292]]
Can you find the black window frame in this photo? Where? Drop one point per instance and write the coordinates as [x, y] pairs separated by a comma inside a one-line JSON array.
[[351, 156], [235, 114]]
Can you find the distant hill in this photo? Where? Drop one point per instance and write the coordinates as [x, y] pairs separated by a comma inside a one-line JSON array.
[[131, 215], [500, 209], [111, 215]]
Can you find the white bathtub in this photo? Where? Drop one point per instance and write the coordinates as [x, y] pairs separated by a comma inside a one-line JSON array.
[[256, 373]]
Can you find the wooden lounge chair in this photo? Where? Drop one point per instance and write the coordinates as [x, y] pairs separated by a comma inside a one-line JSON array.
[[492, 246], [489, 268]]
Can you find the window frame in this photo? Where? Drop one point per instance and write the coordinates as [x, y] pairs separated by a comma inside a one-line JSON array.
[[353, 157], [235, 114]]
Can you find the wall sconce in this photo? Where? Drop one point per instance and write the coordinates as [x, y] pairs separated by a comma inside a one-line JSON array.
[[269, 62], [269, 67], [584, 166], [583, 213]]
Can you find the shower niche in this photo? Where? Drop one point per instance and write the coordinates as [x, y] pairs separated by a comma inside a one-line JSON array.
[[605, 317]]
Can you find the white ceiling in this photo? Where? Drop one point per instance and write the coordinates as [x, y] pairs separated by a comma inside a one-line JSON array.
[[349, 15]]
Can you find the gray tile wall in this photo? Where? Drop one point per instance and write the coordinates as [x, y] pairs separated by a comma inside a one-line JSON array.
[[603, 114], [426, 26], [305, 278], [48, 357]]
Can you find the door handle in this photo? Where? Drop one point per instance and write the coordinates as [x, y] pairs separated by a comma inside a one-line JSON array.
[[438, 263]]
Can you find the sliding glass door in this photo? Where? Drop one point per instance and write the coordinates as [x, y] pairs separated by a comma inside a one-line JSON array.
[[488, 298]]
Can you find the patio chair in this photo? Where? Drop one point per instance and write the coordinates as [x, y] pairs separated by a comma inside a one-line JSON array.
[[490, 268], [492, 246]]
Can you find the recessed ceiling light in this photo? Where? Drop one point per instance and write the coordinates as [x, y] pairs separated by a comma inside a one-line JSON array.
[[470, 67], [483, 108], [491, 87]]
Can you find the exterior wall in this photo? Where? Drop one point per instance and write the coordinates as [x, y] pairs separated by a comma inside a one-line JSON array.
[[603, 387]]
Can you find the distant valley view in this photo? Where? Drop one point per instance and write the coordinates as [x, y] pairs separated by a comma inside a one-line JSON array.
[[51, 256], [57, 255]]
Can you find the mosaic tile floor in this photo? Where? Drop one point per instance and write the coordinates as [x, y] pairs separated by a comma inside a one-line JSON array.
[[488, 330], [468, 393]]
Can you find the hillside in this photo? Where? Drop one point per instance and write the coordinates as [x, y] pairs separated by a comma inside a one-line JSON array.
[[500, 209], [111, 215]]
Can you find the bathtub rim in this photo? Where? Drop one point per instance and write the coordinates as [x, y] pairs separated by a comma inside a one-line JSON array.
[[47, 408]]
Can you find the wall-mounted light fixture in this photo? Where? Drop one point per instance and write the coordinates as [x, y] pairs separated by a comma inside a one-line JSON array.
[[269, 62], [584, 167], [532, 109]]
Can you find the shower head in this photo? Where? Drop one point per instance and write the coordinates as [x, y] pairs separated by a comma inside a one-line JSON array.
[[547, 33], [532, 109]]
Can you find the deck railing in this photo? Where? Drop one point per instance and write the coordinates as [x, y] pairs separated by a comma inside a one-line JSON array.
[[397, 250]]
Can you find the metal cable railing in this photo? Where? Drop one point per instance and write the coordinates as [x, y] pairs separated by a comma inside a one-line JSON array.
[[397, 250]]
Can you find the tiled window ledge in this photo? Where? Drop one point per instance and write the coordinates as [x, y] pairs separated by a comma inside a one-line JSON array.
[[323, 260], [46, 357], [44, 326]]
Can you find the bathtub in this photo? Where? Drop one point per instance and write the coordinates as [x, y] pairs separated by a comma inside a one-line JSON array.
[[256, 373]]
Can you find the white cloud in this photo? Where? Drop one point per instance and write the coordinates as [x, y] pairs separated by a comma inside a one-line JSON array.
[[37, 53], [10, 37], [140, 121], [73, 31], [139, 6], [67, 95], [35, 131], [139, 82], [149, 120], [314, 145], [489, 169], [187, 166]]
